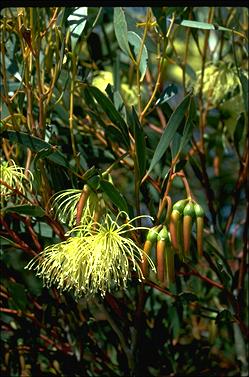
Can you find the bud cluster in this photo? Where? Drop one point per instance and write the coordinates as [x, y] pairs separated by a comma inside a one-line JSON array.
[[175, 238]]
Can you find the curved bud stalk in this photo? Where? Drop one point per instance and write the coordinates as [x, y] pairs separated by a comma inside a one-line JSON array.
[[188, 216], [149, 243], [162, 241], [175, 223], [199, 228]]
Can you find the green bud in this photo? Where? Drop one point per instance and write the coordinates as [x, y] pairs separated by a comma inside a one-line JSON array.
[[180, 205], [175, 220], [189, 210], [163, 235], [198, 210], [160, 253], [148, 245], [152, 234], [188, 216]]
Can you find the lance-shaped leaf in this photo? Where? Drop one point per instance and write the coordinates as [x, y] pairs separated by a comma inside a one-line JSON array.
[[140, 145], [36, 145], [188, 128], [136, 44], [120, 28], [77, 22], [114, 195], [203, 25], [26, 209], [111, 112], [169, 132]]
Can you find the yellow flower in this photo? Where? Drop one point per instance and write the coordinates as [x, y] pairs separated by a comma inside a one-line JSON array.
[[219, 81], [94, 259], [14, 177]]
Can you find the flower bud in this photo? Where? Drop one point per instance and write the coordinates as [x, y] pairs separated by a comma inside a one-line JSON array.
[[188, 216], [199, 228], [162, 242], [174, 225], [180, 205], [150, 241], [170, 264]]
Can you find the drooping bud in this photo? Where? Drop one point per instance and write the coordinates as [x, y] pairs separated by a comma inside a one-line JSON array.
[[162, 242], [199, 228], [169, 263], [188, 216], [175, 217], [149, 243]]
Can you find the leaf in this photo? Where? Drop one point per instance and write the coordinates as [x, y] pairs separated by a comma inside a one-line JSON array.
[[136, 42], [132, 26], [36, 145], [114, 195], [238, 132], [172, 126], [25, 209], [113, 134], [203, 25], [121, 31], [6, 241], [169, 92], [244, 83], [188, 128], [188, 297], [111, 112], [140, 145], [45, 152], [77, 21]]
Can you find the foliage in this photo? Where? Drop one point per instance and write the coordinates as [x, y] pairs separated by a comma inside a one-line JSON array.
[[125, 148]]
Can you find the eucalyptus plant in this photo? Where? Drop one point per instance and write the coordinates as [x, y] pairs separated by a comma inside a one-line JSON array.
[[124, 210]]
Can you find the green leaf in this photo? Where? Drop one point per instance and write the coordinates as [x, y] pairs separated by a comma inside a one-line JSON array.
[[244, 83], [6, 241], [25, 209], [77, 22], [132, 26], [238, 132], [188, 297], [136, 42], [169, 132], [121, 31], [188, 128], [111, 112], [115, 196], [203, 25], [112, 133], [45, 152], [140, 145], [36, 145]]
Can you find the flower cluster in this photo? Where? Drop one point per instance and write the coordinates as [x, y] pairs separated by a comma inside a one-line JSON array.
[[13, 177], [219, 82], [175, 238], [94, 259]]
